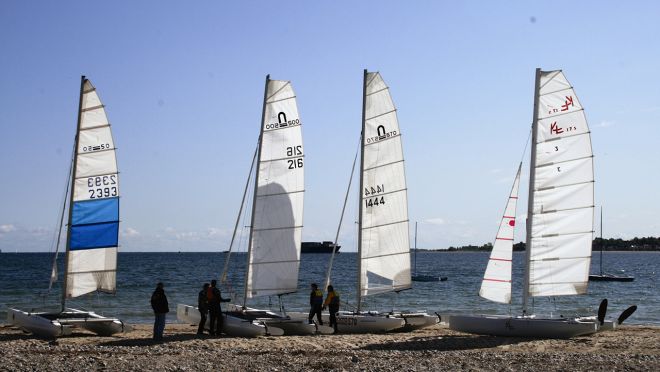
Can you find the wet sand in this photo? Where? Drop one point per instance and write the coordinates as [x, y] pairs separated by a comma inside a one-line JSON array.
[[635, 348]]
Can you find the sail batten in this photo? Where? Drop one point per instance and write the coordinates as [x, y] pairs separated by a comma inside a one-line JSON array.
[[560, 242], [384, 246], [277, 215], [94, 217]]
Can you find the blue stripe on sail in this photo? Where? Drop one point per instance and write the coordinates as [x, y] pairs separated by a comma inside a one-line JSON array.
[[99, 235], [95, 211]]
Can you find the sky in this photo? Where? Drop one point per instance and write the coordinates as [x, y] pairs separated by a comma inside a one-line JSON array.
[[183, 87]]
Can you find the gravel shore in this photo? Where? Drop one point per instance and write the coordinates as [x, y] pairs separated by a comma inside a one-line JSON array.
[[629, 348]]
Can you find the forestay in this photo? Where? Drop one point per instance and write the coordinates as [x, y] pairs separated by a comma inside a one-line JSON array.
[[274, 253], [94, 215], [563, 192], [496, 285], [384, 245]]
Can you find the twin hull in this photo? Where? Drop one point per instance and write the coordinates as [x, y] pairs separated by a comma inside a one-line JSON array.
[[53, 325], [232, 325], [523, 326]]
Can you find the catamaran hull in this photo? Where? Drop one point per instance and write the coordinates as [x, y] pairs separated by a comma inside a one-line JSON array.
[[53, 325], [348, 322], [231, 325], [413, 321], [522, 327]]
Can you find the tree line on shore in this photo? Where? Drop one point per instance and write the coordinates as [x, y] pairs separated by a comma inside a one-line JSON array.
[[612, 244]]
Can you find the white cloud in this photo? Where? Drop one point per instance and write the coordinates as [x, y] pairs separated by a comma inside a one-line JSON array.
[[130, 232], [604, 124], [5, 229], [435, 221]]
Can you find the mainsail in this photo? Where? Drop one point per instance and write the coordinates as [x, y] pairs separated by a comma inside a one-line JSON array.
[[496, 285], [277, 211], [91, 260], [561, 202], [383, 242]]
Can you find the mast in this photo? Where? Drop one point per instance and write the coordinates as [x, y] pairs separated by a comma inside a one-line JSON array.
[[359, 247], [254, 196], [530, 198], [415, 257], [601, 240], [223, 277], [341, 217], [73, 177]]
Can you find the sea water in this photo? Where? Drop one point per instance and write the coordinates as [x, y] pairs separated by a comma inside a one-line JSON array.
[[24, 282]]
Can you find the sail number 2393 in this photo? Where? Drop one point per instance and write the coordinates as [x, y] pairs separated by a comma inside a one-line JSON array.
[[294, 151], [102, 186]]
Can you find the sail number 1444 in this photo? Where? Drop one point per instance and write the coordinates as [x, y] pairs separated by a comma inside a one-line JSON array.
[[372, 199]]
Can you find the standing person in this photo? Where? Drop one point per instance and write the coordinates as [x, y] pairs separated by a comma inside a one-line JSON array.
[[203, 307], [161, 308], [316, 304], [332, 302], [215, 311]]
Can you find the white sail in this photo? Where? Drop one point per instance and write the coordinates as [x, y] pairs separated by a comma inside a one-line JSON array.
[[563, 192], [384, 246], [274, 254], [94, 211], [496, 285]]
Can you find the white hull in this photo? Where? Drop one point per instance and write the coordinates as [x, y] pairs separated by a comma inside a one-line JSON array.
[[349, 322], [289, 325], [523, 326], [231, 325], [417, 320], [53, 325]]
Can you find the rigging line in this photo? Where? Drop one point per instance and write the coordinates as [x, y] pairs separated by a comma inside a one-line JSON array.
[[223, 277], [53, 275], [529, 139], [341, 218]]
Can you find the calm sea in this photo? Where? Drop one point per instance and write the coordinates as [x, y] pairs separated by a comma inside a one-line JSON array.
[[24, 280]]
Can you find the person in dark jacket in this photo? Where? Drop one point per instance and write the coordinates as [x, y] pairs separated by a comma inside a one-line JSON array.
[[215, 311], [332, 303], [315, 304], [203, 307], [161, 308]]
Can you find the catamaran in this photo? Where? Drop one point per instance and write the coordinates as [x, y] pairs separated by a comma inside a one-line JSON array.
[[559, 221], [383, 241], [277, 215], [92, 228]]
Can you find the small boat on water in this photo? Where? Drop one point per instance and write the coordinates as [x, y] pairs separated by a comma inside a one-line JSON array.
[[319, 247], [92, 228], [423, 277], [602, 276], [559, 221]]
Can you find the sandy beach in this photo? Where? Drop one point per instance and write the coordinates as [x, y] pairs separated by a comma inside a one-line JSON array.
[[630, 348]]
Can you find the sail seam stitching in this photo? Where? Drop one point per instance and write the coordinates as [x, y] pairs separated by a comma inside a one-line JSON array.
[[383, 165], [281, 193], [563, 161], [92, 108], [379, 115], [385, 224], [279, 228]]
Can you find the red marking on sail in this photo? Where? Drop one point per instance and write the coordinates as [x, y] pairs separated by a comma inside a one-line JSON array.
[[498, 280], [512, 223], [503, 239], [508, 217], [500, 259], [513, 197]]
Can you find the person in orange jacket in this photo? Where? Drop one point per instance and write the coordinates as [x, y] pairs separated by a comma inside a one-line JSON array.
[[332, 303]]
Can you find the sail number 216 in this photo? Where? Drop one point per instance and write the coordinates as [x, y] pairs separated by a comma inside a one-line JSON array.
[[294, 151]]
